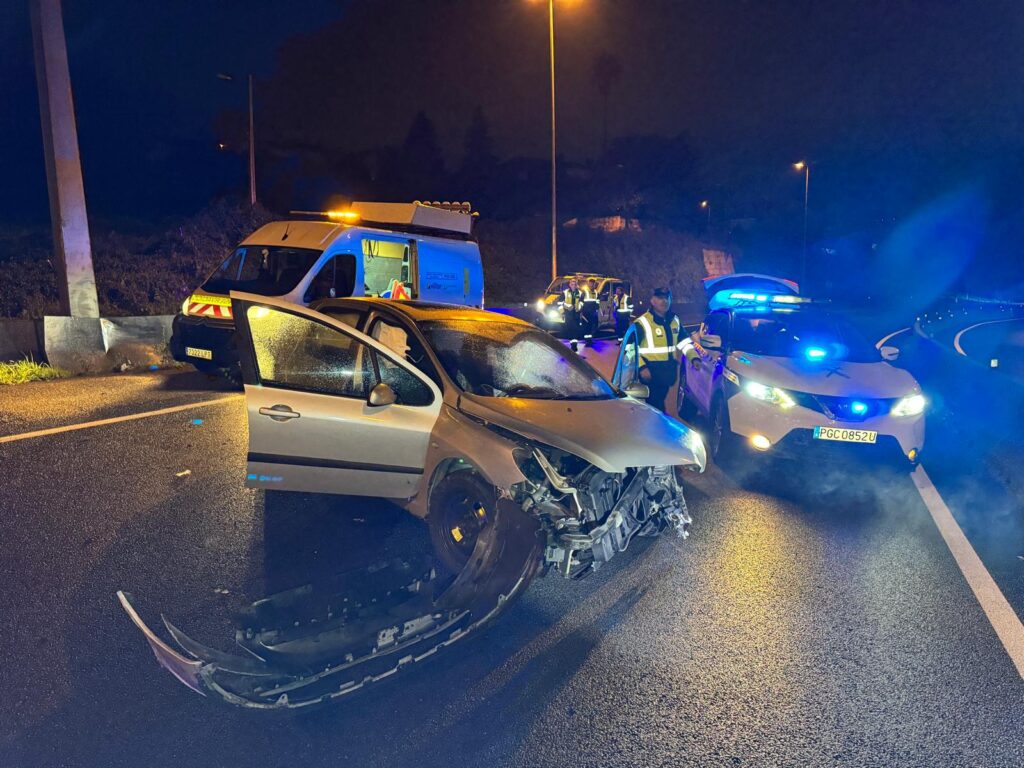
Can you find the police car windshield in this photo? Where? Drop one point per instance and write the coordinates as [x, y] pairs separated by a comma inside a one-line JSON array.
[[269, 270], [808, 335], [498, 359]]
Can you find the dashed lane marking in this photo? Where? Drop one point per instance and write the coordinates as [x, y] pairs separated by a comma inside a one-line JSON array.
[[116, 419], [1000, 613], [956, 339]]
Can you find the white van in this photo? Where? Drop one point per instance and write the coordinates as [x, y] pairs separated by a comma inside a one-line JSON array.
[[416, 251]]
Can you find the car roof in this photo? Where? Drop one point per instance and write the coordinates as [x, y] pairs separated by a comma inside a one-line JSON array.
[[419, 311]]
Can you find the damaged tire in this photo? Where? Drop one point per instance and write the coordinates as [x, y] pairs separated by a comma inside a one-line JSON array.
[[460, 507]]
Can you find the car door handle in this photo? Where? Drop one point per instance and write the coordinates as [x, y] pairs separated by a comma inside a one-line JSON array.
[[279, 413]]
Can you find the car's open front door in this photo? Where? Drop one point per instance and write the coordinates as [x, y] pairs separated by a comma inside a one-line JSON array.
[[308, 379]]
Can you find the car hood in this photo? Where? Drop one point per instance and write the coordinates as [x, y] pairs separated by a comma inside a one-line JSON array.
[[613, 435], [834, 378]]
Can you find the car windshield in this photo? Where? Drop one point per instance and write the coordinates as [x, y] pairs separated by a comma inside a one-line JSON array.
[[557, 286], [268, 270], [498, 359], [813, 336]]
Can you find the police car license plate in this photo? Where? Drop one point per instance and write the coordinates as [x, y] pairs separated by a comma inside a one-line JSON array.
[[845, 435], [203, 354]]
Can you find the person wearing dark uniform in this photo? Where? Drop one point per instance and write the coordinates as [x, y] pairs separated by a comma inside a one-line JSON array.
[[591, 309], [572, 306], [662, 343], [622, 306]]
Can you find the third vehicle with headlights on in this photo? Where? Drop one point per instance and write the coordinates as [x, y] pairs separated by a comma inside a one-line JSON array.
[[548, 307], [776, 371]]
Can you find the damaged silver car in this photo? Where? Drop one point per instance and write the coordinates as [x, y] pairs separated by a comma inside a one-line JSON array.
[[519, 457]]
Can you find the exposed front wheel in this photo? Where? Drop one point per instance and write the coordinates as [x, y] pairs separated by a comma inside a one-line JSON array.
[[461, 505]]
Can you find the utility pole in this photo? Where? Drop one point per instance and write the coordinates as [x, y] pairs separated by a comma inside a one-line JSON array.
[[252, 151], [554, 169], [76, 280]]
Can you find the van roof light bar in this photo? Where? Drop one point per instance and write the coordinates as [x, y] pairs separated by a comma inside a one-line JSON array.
[[444, 217]]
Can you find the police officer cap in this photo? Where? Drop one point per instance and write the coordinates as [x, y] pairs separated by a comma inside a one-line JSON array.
[[662, 293]]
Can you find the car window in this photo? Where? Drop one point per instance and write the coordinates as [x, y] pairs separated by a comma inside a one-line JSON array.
[[265, 269], [399, 339], [717, 324], [298, 353], [792, 335], [409, 389], [500, 359], [335, 279]]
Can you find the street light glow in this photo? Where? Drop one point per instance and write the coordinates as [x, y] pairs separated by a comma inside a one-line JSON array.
[[704, 203], [800, 165]]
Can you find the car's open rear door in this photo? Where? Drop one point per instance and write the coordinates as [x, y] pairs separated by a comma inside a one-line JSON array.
[[308, 378]]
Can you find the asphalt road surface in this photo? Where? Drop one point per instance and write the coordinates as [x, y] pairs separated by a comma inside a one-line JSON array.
[[815, 617]]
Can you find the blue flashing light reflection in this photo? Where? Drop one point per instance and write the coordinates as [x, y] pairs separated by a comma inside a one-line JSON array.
[[197, 422], [815, 353]]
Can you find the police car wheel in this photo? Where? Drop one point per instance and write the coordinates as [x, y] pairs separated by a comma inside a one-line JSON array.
[[460, 508]]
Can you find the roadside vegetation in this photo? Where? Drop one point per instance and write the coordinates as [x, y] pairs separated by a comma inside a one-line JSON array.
[[24, 371]]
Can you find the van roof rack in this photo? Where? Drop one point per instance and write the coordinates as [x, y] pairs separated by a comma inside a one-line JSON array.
[[456, 218]]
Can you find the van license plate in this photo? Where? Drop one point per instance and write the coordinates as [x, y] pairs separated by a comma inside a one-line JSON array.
[[845, 435], [202, 354]]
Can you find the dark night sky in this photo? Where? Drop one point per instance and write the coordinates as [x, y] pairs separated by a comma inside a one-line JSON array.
[[927, 92]]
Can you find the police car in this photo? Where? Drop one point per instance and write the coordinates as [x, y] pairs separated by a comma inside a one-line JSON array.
[[776, 371]]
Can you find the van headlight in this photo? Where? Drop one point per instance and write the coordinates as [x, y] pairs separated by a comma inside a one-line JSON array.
[[911, 405], [541, 306], [769, 394]]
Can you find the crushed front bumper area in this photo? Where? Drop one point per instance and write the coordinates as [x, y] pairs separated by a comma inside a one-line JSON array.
[[306, 647]]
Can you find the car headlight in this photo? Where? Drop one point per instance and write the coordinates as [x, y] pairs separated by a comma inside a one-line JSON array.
[[541, 305], [911, 405], [554, 314], [769, 394]]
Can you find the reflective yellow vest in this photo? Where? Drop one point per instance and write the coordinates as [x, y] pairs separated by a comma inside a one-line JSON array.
[[655, 347], [572, 301]]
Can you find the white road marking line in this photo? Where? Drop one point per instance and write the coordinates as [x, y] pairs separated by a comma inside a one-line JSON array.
[[956, 339], [881, 341], [1000, 613], [114, 420]]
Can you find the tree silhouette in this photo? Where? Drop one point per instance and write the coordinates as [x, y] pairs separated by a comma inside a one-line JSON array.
[[607, 71]]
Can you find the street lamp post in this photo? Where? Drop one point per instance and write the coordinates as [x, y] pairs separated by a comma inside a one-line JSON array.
[[804, 166], [706, 205], [252, 141], [554, 174]]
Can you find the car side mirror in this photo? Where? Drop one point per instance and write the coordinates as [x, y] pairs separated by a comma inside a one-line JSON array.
[[711, 341], [889, 353], [638, 391], [382, 394]]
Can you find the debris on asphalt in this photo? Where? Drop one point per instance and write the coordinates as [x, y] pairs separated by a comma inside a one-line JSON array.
[[197, 422], [183, 473]]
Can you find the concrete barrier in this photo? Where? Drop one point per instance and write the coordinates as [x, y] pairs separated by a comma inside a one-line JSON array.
[[20, 339], [93, 345]]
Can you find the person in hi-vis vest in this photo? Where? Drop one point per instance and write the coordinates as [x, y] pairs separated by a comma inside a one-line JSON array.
[[662, 342], [572, 305]]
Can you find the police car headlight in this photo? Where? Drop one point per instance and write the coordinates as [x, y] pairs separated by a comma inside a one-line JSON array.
[[769, 394], [911, 405], [541, 305]]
